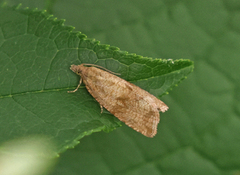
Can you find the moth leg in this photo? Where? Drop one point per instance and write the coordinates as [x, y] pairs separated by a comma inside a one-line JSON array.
[[101, 108], [80, 82]]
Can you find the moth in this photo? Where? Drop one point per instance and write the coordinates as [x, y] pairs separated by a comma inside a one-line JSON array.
[[129, 103]]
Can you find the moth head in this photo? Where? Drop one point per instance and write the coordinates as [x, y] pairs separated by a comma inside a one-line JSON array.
[[76, 69]]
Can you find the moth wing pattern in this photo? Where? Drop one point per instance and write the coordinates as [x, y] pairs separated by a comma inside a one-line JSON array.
[[143, 121], [129, 103], [161, 106]]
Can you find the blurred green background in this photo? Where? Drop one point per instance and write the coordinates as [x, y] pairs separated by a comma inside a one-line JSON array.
[[200, 134]]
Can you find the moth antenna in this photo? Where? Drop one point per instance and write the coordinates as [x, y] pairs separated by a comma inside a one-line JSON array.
[[94, 65]]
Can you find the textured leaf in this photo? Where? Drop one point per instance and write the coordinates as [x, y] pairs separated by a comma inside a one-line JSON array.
[[36, 52], [200, 132]]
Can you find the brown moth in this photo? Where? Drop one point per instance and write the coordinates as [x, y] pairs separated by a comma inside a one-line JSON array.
[[126, 101]]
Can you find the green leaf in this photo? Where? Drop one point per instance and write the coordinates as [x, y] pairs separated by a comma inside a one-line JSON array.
[[35, 55], [199, 134]]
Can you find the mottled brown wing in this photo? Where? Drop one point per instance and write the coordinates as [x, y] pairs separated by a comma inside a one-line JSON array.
[[161, 106], [143, 119], [131, 104]]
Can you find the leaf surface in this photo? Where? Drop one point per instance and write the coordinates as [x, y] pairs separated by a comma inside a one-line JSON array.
[[36, 52]]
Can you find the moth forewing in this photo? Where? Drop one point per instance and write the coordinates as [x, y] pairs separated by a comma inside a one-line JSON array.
[[126, 101]]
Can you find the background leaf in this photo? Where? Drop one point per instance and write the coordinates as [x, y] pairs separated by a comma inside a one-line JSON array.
[[200, 132]]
